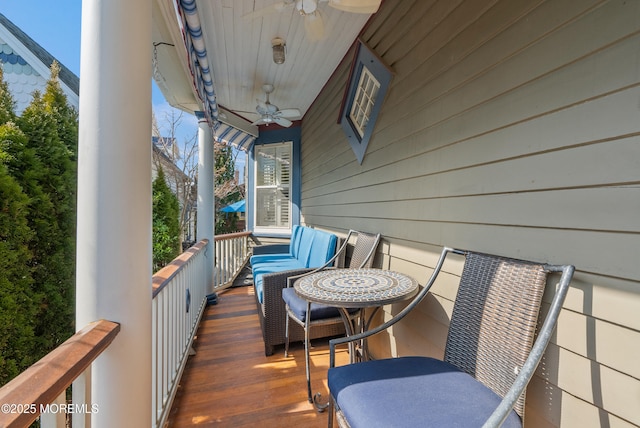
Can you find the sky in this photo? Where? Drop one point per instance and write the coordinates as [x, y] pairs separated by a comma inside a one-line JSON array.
[[55, 25]]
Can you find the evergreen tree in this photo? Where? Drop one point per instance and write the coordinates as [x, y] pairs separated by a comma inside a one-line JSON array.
[[47, 174], [37, 227], [65, 115], [7, 103], [17, 305], [166, 225], [66, 119]]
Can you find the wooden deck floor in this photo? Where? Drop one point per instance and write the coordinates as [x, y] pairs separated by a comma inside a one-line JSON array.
[[230, 382]]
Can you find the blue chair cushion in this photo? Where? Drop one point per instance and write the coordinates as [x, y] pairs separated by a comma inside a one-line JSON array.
[[261, 270], [292, 249], [303, 244], [264, 258], [309, 248], [412, 392], [299, 307], [322, 249], [276, 266]]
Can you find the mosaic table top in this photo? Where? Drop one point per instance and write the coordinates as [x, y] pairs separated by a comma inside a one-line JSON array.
[[356, 287]]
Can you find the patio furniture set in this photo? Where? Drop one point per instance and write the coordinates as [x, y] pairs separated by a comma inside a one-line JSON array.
[[492, 349]]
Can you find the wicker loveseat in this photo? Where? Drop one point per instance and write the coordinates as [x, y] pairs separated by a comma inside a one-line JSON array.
[[271, 265]]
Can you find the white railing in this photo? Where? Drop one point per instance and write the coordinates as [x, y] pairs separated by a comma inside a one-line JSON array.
[[232, 251], [179, 298]]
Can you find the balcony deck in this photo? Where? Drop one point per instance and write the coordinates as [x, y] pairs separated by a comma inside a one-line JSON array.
[[230, 382]]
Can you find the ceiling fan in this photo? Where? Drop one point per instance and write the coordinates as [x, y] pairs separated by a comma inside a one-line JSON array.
[[308, 9], [270, 113]]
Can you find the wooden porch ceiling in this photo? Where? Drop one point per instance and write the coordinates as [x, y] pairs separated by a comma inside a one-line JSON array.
[[230, 382]]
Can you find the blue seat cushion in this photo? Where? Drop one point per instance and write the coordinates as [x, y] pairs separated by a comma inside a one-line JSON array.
[[261, 270], [412, 392], [276, 266], [309, 248], [263, 258], [299, 307]]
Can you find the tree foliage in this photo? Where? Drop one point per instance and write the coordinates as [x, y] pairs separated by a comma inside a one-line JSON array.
[[65, 115], [38, 152], [49, 178], [7, 103], [227, 190], [166, 227], [17, 305]]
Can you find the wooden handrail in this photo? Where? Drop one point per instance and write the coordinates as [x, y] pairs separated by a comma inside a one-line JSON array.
[[228, 236], [24, 397], [163, 276]]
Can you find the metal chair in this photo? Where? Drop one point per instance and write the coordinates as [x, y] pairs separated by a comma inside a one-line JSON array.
[[488, 361], [297, 308]]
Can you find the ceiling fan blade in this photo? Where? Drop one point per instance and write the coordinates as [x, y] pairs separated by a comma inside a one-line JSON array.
[[314, 26], [276, 7], [260, 121], [356, 6], [289, 112], [282, 121]]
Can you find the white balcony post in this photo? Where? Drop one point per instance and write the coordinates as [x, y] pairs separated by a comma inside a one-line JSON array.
[[114, 204], [206, 201]]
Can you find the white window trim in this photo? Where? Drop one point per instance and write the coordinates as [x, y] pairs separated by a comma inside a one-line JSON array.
[[272, 230]]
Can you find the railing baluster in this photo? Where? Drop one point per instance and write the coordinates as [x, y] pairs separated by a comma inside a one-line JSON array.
[[81, 394], [154, 358], [55, 418]]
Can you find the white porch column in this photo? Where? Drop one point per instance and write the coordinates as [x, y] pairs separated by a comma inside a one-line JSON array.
[[206, 200], [114, 204]]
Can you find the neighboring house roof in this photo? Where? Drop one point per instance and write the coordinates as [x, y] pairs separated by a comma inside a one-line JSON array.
[[164, 156], [26, 66], [167, 145]]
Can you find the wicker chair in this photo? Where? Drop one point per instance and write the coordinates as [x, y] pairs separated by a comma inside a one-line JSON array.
[[270, 272], [322, 315], [488, 361], [271, 314]]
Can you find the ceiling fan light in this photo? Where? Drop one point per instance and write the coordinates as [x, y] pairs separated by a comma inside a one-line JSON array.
[[278, 44], [306, 7]]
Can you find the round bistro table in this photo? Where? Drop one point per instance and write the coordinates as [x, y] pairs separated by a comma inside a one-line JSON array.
[[354, 288]]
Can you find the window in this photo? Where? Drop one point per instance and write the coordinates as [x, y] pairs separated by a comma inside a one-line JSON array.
[[273, 186], [366, 90], [364, 100]]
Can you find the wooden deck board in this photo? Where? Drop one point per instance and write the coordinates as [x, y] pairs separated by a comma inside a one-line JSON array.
[[230, 382]]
